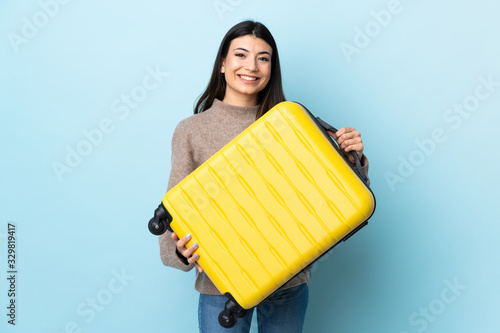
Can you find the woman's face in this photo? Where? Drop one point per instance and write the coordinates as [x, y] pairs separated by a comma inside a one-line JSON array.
[[247, 69]]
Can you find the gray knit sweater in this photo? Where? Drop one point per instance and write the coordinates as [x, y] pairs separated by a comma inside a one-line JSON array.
[[194, 141]]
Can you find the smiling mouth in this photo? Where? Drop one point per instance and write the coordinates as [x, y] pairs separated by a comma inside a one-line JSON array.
[[247, 78]]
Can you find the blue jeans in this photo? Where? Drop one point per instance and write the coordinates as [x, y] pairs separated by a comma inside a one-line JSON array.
[[283, 311]]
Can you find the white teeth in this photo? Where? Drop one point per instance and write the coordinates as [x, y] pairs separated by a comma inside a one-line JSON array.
[[248, 78]]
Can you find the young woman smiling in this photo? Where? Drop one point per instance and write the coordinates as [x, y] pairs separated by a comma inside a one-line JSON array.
[[245, 83]]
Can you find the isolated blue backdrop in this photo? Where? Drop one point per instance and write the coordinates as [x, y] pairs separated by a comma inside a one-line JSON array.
[[83, 166]]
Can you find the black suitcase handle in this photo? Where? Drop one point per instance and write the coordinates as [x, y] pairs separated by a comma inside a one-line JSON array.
[[359, 168]]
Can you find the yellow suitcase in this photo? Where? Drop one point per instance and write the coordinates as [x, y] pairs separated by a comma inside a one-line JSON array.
[[267, 205]]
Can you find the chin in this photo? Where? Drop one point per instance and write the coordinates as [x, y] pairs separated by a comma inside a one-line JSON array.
[[250, 91]]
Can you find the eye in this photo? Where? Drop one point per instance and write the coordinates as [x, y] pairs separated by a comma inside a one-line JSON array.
[[240, 55], [264, 59]]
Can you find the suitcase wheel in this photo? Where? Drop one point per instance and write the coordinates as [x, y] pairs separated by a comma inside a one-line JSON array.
[[156, 227], [229, 316], [226, 321], [160, 221], [241, 313]]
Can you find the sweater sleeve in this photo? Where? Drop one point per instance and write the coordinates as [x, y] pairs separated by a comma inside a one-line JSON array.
[[182, 165], [365, 166]]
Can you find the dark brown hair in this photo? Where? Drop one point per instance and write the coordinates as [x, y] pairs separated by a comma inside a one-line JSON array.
[[271, 95]]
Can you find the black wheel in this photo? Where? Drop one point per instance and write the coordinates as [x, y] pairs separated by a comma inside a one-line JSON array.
[[241, 313], [160, 221], [157, 227], [226, 321]]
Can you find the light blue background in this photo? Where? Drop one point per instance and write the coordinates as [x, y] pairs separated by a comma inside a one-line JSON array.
[[438, 225]]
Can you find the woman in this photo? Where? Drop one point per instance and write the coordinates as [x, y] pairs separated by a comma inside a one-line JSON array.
[[245, 83]]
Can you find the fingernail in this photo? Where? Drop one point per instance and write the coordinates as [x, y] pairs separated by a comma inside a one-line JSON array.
[[188, 236], [196, 255], [195, 245]]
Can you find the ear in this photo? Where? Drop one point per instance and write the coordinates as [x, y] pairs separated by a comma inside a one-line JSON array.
[[223, 66]]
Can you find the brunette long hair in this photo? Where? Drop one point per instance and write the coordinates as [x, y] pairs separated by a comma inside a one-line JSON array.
[[271, 95]]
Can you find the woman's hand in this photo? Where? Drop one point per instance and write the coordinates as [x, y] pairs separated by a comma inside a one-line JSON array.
[[348, 140], [187, 252]]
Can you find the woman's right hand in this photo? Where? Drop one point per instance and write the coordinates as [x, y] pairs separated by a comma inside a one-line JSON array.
[[187, 252]]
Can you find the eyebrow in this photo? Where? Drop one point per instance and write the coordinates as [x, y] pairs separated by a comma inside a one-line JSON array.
[[243, 49]]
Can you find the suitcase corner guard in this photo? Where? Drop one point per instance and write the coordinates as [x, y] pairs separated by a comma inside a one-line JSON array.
[[160, 221]]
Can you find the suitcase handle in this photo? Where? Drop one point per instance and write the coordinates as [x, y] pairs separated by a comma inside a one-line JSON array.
[[359, 168]]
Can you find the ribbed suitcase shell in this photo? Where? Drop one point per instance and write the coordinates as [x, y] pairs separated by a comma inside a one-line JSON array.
[[268, 204]]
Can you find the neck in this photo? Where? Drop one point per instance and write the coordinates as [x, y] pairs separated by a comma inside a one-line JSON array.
[[244, 100]]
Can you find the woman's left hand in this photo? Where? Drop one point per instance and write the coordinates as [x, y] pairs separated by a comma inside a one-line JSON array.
[[348, 140]]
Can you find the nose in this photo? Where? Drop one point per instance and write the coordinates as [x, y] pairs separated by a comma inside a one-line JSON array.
[[251, 65]]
